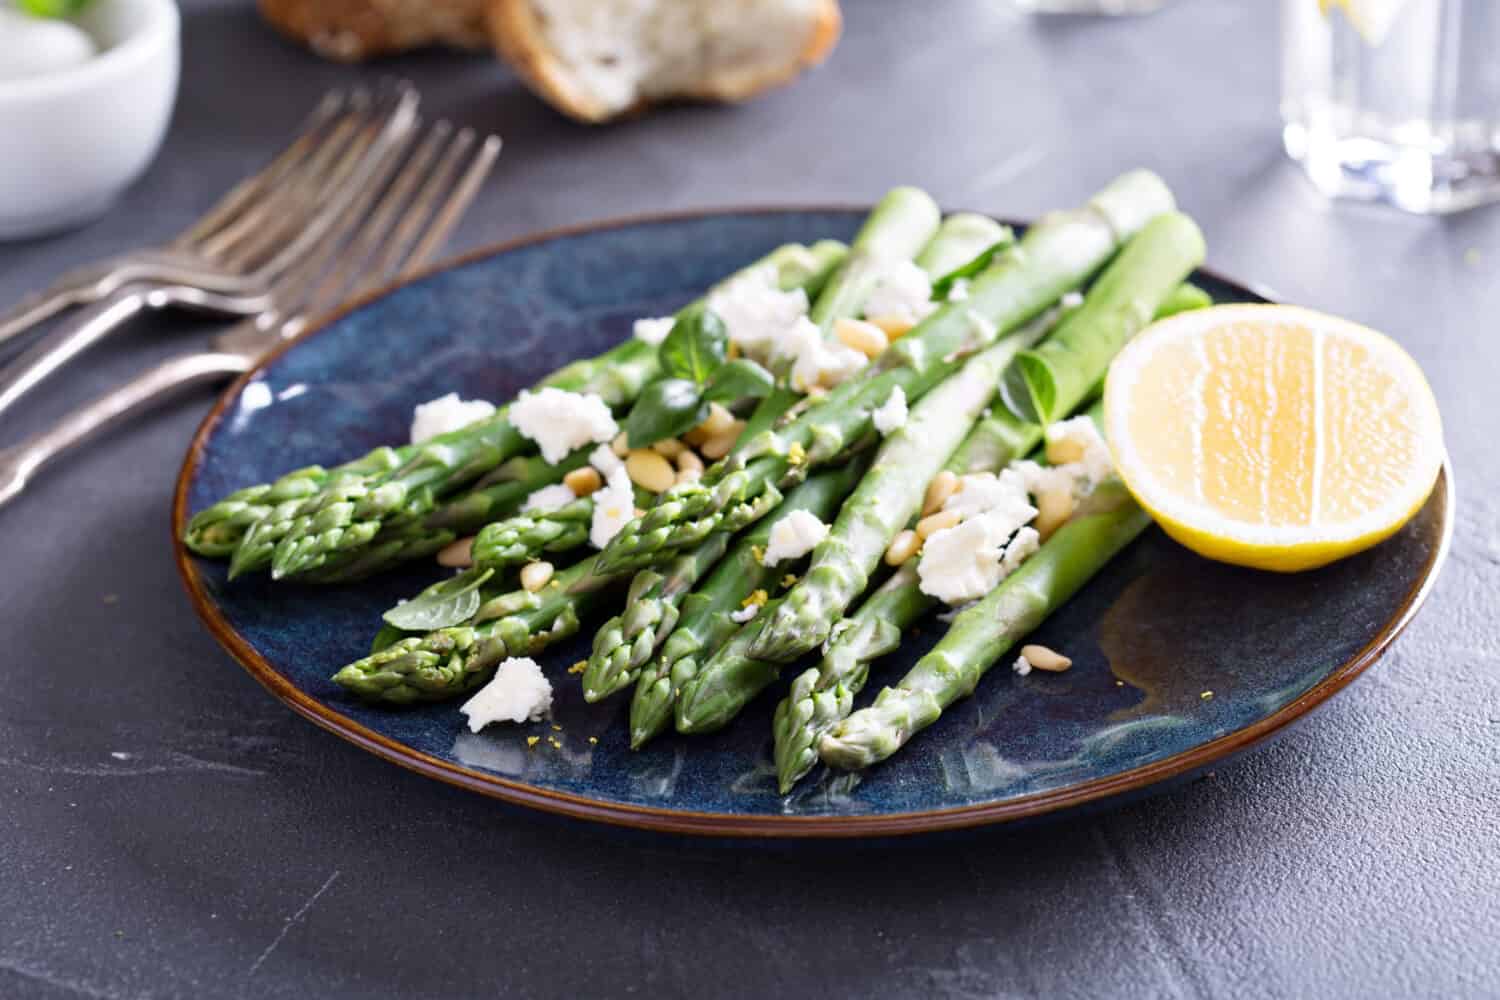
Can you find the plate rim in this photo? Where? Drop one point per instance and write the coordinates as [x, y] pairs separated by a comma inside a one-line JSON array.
[[721, 824]]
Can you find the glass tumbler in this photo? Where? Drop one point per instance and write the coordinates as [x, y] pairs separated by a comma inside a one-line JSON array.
[[1395, 101]]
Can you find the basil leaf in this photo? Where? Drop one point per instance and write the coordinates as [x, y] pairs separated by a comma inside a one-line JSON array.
[[667, 407], [944, 285], [739, 379], [695, 348], [448, 602]]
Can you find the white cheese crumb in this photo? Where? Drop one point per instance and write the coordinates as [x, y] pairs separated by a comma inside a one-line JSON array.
[[517, 693], [550, 498], [793, 536], [605, 460], [446, 413], [559, 421], [653, 331], [891, 414], [744, 614], [1022, 666], [614, 507], [903, 291], [816, 362], [962, 563], [1083, 434], [980, 492], [1027, 541], [1071, 300], [756, 312], [959, 290]]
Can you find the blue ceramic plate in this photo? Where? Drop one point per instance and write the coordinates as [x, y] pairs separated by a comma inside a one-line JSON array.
[[1157, 631]]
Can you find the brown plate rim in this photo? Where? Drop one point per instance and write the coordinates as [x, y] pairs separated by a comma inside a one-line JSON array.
[[735, 824]]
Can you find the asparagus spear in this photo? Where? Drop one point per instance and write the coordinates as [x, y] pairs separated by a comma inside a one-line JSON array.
[[726, 683], [1055, 255], [625, 642], [453, 661], [704, 622], [349, 517], [1045, 382], [823, 695], [962, 237], [981, 635], [885, 500]]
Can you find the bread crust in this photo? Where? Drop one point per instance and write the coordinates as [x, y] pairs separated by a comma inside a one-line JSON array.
[[518, 37], [352, 30]]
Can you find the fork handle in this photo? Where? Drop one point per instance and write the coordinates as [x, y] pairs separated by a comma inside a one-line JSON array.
[[20, 462], [70, 339], [77, 287]]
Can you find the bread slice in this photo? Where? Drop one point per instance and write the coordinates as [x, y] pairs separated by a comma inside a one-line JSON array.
[[598, 59], [351, 30]]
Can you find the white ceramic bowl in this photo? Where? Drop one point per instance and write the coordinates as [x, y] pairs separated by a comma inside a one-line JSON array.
[[72, 140]]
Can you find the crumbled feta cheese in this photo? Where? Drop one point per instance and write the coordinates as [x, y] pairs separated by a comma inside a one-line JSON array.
[[815, 361], [980, 492], [1041, 479], [756, 312], [959, 290], [1071, 300], [963, 563], [550, 498], [1026, 541], [1022, 666], [794, 536], [653, 331], [559, 421], [605, 460], [902, 291], [614, 507], [446, 413], [744, 614], [891, 414], [517, 693], [1081, 435]]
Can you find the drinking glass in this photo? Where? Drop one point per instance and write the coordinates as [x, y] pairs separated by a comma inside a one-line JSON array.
[[1394, 100]]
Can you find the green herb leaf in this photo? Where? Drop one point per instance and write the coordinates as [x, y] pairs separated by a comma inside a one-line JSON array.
[[448, 602], [944, 285], [695, 348], [739, 379], [667, 407], [52, 8]]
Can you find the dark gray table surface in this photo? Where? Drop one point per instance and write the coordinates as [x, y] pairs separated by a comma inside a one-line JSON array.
[[167, 829]]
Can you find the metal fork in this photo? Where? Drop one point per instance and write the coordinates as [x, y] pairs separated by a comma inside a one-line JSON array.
[[217, 255], [390, 230]]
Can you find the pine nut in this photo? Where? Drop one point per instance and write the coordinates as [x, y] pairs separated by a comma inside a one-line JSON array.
[[866, 338], [689, 462], [895, 327], [943, 486], [687, 476], [620, 446], [932, 524], [696, 436], [458, 555], [668, 448], [534, 576], [1061, 451], [903, 547], [1042, 658], [583, 481], [1053, 508], [719, 421], [718, 446], [650, 471]]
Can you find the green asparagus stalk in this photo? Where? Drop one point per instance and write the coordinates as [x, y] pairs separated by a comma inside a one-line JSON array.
[[453, 661], [1055, 255], [625, 642], [352, 516], [704, 622], [732, 676], [1184, 298], [823, 695], [962, 237], [885, 500], [981, 635], [1048, 380]]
